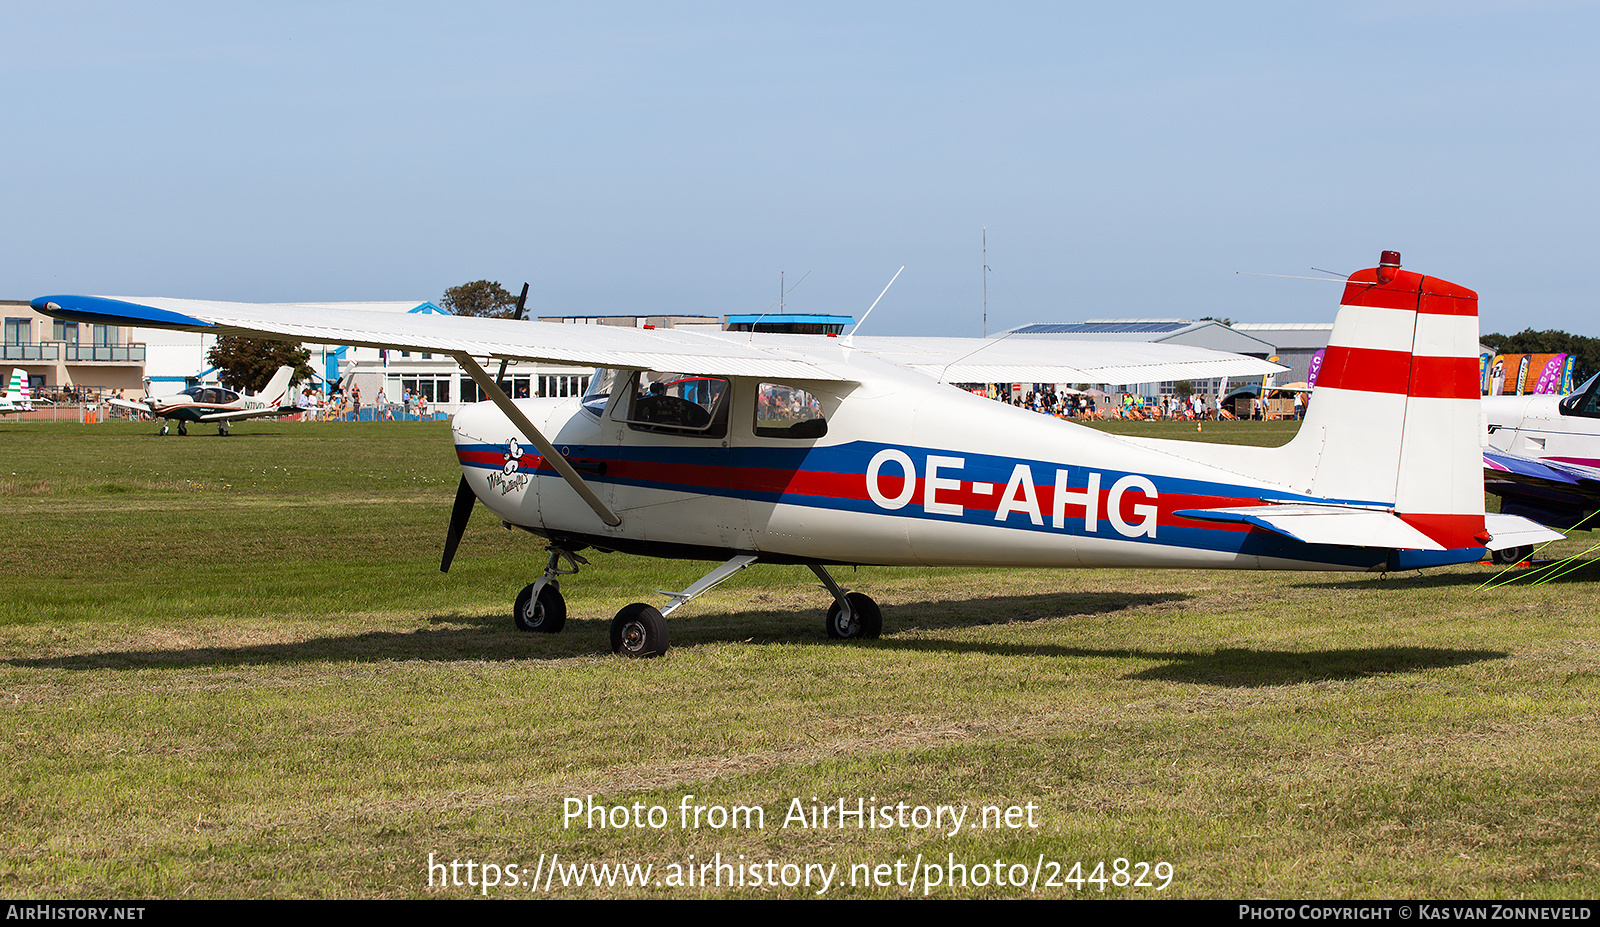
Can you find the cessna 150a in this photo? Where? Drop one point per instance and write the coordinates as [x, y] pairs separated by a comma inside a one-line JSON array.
[[216, 404], [741, 448]]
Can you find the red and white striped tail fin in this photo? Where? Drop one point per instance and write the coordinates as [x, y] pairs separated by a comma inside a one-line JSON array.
[[1396, 403]]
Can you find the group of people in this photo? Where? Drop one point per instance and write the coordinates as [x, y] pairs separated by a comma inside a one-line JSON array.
[[1192, 408], [345, 405]]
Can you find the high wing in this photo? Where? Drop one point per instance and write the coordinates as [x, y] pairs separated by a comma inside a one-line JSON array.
[[670, 350], [1551, 492], [1032, 360]]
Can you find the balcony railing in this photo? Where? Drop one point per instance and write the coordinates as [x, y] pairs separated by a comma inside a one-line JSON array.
[[119, 353], [74, 353], [29, 352]]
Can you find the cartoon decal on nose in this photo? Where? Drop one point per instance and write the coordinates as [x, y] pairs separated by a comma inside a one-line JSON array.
[[510, 479]]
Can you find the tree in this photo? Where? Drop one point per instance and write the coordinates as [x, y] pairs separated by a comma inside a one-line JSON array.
[[1551, 341], [483, 298], [1184, 389], [248, 364]]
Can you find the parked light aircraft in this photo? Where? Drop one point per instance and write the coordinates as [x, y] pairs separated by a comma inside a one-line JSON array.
[[18, 398], [217, 404], [1543, 458], [744, 448]]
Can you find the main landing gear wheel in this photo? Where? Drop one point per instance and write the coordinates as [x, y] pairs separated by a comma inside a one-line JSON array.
[[1511, 555], [548, 615], [222, 429], [639, 631], [164, 426], [864, 620], [183, 428]]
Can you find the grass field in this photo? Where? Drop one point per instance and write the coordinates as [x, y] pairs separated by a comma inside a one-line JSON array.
[[231, 668]]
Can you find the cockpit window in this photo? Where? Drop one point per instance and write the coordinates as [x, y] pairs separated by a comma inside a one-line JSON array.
[[601, 383], [1584, 401], [788, 412], [675, 403]]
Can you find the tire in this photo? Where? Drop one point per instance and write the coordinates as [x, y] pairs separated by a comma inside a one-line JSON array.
[[639, 631], [546, 616], [1511, 555], [864, 621], [183, 428], [164, 426]]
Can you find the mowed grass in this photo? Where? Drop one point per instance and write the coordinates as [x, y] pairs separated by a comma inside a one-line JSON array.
[[231, 668]]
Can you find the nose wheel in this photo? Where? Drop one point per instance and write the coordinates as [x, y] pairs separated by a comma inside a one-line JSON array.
[[540, 610]]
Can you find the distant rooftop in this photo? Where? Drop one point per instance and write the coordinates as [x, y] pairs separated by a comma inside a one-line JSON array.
[[1103, 326], [793, 324]]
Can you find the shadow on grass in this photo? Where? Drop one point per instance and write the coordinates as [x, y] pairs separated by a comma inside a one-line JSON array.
[[1251, 668], [489, 638]]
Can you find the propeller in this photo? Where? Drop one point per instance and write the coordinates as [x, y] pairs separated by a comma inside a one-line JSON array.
[[459, 513], [465, 497]]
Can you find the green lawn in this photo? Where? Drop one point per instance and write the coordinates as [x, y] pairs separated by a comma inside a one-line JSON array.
[[231, 668]]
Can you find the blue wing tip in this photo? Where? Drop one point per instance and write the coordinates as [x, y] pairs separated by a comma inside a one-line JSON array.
[[113, 311]]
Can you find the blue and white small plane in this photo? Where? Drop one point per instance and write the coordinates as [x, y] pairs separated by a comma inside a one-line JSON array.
[[218, 404], [743, 448]]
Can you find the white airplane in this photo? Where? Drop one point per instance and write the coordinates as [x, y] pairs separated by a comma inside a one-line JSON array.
[[1543, 458], [746, 448], [217, 404]]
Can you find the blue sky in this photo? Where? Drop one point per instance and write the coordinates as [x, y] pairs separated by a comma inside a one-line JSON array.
[[1127, 159]]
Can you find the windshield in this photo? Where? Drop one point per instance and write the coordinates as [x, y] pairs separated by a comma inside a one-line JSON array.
[[601, 384]]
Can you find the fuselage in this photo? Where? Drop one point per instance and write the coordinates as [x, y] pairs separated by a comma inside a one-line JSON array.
[[908, 471], [1565, 429]]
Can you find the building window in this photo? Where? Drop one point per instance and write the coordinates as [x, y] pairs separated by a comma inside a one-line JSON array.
[[19, 331], [432, 388]]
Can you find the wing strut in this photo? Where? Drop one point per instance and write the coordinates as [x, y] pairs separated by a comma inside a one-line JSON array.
[[498, 396]]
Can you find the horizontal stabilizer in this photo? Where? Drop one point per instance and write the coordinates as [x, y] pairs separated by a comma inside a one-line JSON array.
[[1507, 531], [1345, 525]]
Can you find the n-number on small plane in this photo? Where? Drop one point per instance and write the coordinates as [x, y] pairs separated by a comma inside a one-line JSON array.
[[744, 448], [219, 405]]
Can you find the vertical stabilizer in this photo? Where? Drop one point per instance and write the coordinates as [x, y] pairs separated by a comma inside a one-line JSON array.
[[1395, 408], [276, 392]]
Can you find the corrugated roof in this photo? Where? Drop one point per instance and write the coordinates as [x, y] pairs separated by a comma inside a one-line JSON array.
[[1098, 328]]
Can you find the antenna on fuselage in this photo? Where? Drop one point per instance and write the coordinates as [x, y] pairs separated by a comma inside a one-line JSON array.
[[850, 338]]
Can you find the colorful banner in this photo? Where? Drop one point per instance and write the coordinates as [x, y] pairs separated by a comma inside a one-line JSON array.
[[1535, 374], [1315, 368]]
